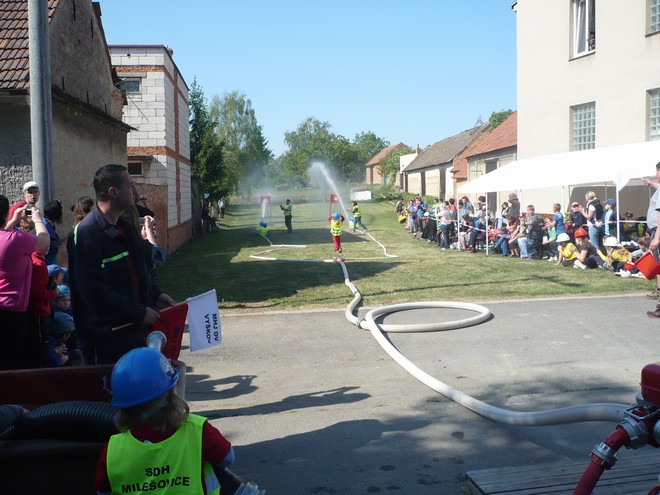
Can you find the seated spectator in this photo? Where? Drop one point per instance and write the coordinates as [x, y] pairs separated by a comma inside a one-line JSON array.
[[587, 256], [617, 255], [629, 226], [550, 240], [630, 269], [502, 244], [567, 252], [530, 244], [464, 234], [516, 232], [501, 219], [514, 206]]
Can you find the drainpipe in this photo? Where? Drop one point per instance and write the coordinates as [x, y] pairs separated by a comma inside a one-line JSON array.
[[41, 112]]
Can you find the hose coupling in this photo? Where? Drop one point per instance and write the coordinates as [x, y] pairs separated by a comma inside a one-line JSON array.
[[359, 322], [605, 453], [637, 432]]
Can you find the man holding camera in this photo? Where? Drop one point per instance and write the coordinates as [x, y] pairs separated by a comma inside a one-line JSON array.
[[30, 197], [287, 215]]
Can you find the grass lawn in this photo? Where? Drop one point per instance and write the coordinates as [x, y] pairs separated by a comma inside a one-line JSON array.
[[421, 272]]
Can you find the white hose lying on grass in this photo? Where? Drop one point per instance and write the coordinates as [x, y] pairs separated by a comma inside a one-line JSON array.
[[575, 414]]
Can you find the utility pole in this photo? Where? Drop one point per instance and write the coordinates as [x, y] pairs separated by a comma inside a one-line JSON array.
[[41, 111]]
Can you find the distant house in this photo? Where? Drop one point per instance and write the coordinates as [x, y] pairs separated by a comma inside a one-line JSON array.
[[496, 149], [159, 144], [373, 175], [429, 172], [87, 107]]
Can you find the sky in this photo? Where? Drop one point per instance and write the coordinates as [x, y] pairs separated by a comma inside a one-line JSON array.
[[415, 71]]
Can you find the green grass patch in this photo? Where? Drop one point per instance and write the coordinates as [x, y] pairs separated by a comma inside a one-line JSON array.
[[300, 278]]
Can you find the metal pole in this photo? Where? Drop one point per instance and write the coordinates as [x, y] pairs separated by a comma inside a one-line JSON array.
[[41, 114]]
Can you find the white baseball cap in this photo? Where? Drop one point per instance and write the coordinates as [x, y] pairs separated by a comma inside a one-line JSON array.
[[29, 185]]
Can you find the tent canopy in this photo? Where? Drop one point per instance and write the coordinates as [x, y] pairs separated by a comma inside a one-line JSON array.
[[617, 164]]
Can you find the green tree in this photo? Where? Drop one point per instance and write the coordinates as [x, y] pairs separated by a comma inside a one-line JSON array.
[[389, 166], [312, 140], [246, 150], [367, 144], [496, 118], [206, 157]]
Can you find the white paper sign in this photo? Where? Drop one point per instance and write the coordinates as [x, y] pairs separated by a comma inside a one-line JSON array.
[[204, 321]]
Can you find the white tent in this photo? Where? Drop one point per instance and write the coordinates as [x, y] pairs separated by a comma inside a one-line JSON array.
[[616, 164]]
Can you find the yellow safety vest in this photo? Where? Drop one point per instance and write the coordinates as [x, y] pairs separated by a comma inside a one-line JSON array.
[[335, 227], [357, 212], [287, 210], [170, 467], [263, 230]]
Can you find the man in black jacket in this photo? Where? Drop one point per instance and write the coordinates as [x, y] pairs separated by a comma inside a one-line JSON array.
[[113, 296]]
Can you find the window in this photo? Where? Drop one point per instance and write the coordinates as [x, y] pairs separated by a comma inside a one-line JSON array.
[[584, 26], [654, 114], [130, 84], [654, 16], [583, 126], [135, 168]]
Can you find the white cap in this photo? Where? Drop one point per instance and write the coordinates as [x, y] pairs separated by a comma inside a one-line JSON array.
[[611, 242], [30, 185], [563, 237]]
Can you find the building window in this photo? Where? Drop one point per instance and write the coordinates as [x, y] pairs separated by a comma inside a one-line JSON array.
[[654, 114], [130, 84], [583, 126], [135, 168], [654, 16], [584, 26]]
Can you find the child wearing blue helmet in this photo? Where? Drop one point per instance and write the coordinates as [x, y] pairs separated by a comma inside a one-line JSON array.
[[336, 221], [162, 447]]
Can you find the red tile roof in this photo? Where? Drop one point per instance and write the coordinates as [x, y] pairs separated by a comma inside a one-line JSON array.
[[383, 153], [503, 136], [14, 58]]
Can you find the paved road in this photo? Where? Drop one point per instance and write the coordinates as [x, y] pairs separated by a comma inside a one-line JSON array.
[[314, 406]]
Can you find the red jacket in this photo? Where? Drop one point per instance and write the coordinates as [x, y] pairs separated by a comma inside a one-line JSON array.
[[40, 296]]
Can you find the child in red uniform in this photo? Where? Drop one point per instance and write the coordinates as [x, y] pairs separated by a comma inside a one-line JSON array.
[[162, 446], [336, 221]]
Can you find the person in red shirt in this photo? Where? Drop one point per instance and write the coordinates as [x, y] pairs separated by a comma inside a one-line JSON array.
[[31, 194], [42, 291], [157, 429]]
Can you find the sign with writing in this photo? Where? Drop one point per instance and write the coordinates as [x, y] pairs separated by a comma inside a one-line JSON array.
[[204, 321], [172, 322]]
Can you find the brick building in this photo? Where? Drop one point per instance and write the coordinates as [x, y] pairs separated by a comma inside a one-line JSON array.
[[87, 107], [373, 175], [159, 144]]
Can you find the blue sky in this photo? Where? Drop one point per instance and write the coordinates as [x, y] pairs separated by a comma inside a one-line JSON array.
[[416, 71]]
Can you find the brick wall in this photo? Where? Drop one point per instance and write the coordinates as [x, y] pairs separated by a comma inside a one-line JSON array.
[[80, 63]]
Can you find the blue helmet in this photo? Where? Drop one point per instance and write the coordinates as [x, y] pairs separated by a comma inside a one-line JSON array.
[[263, 224], [63, 290], [140, 376], [335, 216]]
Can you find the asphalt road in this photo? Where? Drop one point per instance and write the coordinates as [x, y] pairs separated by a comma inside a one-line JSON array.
[[313, 405]]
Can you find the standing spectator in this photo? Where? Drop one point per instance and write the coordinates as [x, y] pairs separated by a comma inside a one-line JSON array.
[[578, 221], [400, 206], [31, 195], [594, 216], [356, 211], [336, 221], [444, 227], [557, 220], [287, 210], [16, 249], [53, 217], [222, 204], [113, 299], [42, 291], [82, 207], [501, 219], [609, 218], [652, 224], [514, 206]]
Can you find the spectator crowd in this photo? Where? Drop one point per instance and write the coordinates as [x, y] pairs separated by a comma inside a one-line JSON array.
[[588, 236]]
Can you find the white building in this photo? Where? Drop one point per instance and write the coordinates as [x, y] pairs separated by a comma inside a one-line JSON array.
[[159, 147], [588, 77]]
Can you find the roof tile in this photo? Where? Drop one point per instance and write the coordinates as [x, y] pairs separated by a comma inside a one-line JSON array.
[[375, 160], [503, 136]]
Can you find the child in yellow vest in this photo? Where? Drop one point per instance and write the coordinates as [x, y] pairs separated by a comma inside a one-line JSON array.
[[162, 448], [617, 255], [336, 221]]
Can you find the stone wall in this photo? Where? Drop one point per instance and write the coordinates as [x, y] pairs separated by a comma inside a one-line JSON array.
[[15, 150]]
